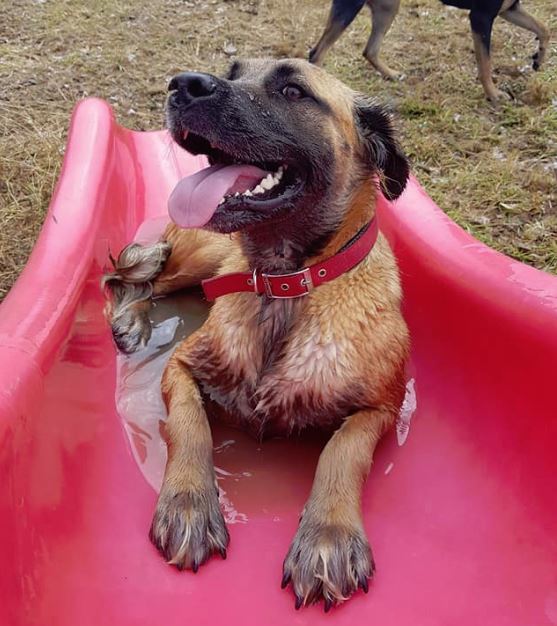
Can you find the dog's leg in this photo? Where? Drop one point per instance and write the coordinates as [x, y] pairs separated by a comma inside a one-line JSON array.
[[330, 556], [188, 525], [518, 16], [482, 25], [383, 13], [341, 16], [181, 259]]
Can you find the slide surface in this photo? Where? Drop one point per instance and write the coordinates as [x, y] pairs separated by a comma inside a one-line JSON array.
[[462, 517]]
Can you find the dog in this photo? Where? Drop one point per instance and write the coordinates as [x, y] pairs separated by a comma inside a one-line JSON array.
[[482, 16], [299, 159]]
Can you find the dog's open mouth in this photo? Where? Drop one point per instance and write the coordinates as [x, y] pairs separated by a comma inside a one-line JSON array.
[[229, 183]]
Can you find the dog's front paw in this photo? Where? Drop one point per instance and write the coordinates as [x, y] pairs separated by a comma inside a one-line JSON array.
[[131, 328], [129, 288], [188, 528], [327, 561]]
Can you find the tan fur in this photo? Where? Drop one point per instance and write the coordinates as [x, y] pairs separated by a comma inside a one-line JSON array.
[[522, 19], [485, 75], [383, 14], [340, 366]]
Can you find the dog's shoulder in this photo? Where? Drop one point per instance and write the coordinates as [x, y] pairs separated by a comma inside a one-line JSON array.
[[346, 331], [370, 288]]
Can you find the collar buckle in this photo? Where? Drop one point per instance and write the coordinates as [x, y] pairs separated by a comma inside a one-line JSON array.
[[305, 282]]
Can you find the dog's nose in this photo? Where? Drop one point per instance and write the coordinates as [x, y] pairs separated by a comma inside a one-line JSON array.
[[193, 85]]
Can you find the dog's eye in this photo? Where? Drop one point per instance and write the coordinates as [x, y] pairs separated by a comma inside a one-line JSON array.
[[292, 93]]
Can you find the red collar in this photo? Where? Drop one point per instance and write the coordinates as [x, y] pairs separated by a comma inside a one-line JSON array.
[[298, 283]]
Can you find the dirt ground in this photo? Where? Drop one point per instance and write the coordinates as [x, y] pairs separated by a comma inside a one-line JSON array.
[[493, 170]]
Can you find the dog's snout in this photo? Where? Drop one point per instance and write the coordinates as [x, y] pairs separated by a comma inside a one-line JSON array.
[[193, 85]]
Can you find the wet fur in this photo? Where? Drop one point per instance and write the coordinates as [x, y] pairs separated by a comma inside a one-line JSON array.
[[333, 360], [482, 15]]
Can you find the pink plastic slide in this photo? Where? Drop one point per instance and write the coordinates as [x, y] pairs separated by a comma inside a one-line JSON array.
[[462, 517]]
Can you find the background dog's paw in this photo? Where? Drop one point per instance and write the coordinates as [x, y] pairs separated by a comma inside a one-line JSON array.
[[497, 96], [536, 60], [327, 561], [188, 528]]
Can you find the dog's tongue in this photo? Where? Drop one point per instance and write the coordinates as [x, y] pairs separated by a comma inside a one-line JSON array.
[[196, 197]]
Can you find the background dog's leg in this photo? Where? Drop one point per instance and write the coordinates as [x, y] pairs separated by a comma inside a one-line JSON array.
[[518, 16], [383, 13], [181, 259], [482, 25], [330, 556], [188, 525], [341, 16]]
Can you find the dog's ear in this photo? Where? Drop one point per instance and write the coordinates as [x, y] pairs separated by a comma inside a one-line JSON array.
[[381, 149]]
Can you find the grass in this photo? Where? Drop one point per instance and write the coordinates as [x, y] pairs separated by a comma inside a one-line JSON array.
[[492, 169]]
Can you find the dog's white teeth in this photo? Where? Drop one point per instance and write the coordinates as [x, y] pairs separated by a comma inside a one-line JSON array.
[[236, 194], [268, 182], [221, 201]]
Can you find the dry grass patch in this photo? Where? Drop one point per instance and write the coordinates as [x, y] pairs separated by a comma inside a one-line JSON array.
[[494, 170]]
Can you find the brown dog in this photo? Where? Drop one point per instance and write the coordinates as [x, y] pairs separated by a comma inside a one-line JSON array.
[[332, 360]]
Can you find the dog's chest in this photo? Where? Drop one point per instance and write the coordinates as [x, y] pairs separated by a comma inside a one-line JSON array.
[[273, 368]]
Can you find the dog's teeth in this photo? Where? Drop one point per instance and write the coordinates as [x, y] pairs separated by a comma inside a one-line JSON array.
[[267, 182], [258, 189], [247, 193], [236, 194], [221, 201]]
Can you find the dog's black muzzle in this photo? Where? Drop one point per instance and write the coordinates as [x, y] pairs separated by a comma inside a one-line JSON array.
[[190, 87]]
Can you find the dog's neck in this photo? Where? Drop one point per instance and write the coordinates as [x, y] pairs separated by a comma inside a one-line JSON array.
[[280, 250], [293, 244]]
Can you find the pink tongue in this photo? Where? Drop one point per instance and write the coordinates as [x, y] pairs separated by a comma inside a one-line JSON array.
[[195, 198]]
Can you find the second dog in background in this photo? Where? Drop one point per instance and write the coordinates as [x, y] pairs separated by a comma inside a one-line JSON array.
[[482, 16]]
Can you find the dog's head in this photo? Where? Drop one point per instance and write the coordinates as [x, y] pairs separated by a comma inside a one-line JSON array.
[[286, 141]]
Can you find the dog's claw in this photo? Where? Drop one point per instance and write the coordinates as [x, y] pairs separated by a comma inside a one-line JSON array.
[[327, 605], [364, 584], [222, 552], [285, 580], [298, 603]]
